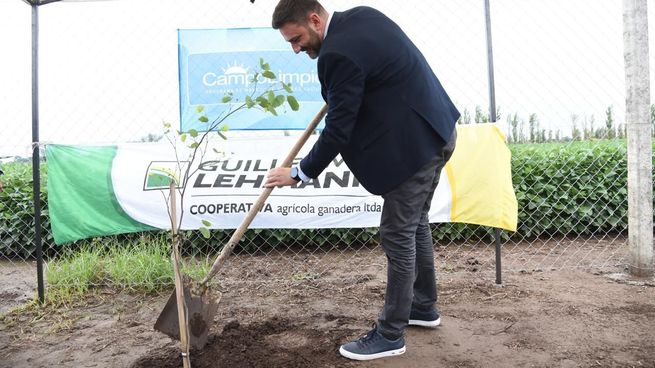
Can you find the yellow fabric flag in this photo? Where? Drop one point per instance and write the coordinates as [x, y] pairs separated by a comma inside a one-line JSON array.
[[480, 177]]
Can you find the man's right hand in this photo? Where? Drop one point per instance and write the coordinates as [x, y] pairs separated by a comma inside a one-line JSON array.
[[279, 177]]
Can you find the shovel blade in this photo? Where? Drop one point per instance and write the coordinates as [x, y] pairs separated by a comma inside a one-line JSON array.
[[201, 309]]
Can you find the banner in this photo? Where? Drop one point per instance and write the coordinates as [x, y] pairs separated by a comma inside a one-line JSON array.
[[105, 190], [213, 62]]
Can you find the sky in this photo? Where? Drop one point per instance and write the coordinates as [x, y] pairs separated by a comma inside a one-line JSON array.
[[109, 70]]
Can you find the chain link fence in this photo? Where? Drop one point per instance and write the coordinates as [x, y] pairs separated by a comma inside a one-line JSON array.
[[109, 74]]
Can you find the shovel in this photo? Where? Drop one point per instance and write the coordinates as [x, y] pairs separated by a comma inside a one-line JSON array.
[[201, 301]]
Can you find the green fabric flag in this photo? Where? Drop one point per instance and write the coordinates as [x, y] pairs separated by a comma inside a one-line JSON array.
[[91, 209]]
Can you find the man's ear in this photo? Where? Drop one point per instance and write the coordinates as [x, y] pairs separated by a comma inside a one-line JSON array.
[[316, 21]]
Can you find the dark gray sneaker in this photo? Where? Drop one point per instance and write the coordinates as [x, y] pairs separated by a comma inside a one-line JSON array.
[[424, 319], [372, 346]]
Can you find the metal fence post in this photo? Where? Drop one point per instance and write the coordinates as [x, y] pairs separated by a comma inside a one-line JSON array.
[[640, 170]]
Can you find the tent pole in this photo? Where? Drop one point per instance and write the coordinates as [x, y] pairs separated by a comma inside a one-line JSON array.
[[490, 64], [492, 118], [499, 267], [36, 160]]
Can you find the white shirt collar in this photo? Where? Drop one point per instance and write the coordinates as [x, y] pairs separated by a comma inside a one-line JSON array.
[[327, 24]]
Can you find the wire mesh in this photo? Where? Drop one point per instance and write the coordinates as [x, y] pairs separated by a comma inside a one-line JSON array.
[[109, 74]]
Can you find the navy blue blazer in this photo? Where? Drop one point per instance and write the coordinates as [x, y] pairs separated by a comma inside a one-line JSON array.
[[387, 112]]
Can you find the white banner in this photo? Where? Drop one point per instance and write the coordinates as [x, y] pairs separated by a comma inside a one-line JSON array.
[[105, 190], [222, 188]]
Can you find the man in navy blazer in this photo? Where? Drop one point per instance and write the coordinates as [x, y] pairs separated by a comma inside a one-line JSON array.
[[394, 125]]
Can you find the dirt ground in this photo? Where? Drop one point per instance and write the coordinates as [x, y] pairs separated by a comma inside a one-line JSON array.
[[562, 318]]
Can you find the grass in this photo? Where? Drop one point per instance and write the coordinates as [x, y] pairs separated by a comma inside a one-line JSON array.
[[55, 310], [197, 269], [75, 272], [144, 266]]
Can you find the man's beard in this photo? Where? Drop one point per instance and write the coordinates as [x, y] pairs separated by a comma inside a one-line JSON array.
[[314, 46]]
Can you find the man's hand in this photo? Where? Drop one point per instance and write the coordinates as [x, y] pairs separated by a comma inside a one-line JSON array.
[[279, 176]]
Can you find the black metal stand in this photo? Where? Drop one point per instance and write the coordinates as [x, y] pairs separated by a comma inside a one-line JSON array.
[[499, 278]]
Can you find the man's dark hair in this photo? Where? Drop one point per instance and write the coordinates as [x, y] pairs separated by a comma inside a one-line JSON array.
[[294, 11]]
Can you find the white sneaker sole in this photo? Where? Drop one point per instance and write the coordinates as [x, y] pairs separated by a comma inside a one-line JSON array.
[[383, 354], [418, 322]]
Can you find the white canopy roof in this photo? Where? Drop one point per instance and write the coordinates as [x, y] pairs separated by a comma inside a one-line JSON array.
[[43, 2]]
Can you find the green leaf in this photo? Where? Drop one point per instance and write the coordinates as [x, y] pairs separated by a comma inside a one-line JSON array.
[[227, 98], [293, 103], [167, 125], [205, 232], [271, 97], [279, 100], [200, 108], [249, 102], [271, 109], [203, 119], [193, 133], [264, 65], [194, 145], [287, 87], [268, 74], [183, 137], [262, 102], [206, 223]]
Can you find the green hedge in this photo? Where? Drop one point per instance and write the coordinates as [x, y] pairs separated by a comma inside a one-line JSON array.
[[17, 211], [578, 188], [563, 189]]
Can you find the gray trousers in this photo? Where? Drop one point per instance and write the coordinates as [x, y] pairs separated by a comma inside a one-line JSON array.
[[407, 242]]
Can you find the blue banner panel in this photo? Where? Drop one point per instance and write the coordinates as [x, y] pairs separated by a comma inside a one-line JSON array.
[[214, 62]]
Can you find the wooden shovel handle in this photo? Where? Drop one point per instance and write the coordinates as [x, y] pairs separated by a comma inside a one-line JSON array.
[[238, 233]]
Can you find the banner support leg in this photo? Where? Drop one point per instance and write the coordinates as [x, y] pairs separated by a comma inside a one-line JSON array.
[[499, 280]]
